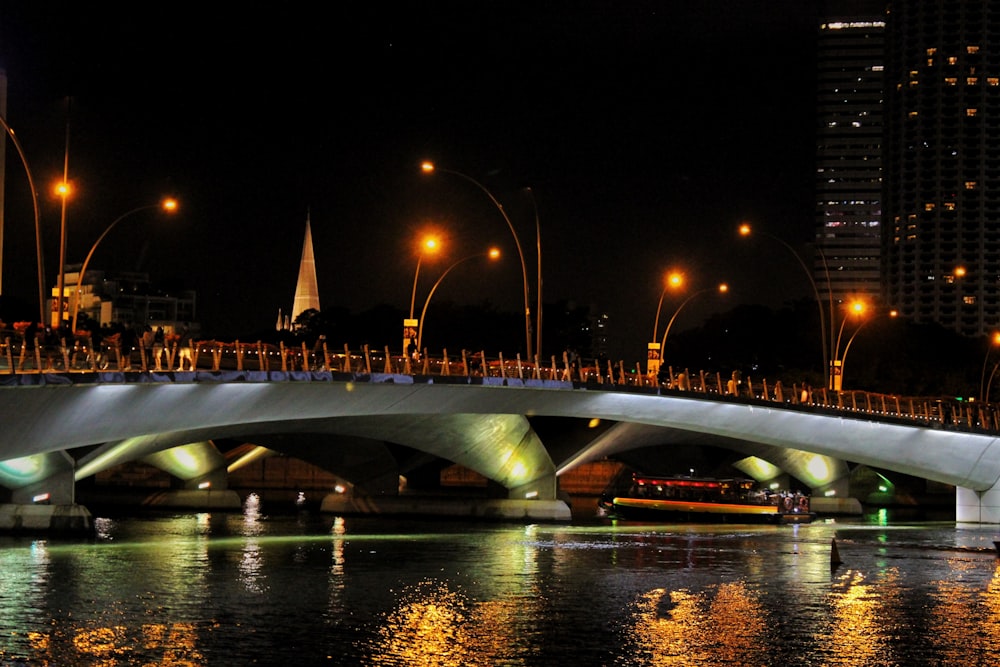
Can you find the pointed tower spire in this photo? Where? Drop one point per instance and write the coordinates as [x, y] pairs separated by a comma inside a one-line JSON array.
[[306, 289]]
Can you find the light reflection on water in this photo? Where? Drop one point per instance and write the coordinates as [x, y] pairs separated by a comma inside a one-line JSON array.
[[226, 589]]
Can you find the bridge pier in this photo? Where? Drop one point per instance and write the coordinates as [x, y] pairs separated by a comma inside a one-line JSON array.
[[46, 506], [977, 506]]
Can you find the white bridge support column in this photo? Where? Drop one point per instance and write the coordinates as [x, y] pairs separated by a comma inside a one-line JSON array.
[[977, 506]]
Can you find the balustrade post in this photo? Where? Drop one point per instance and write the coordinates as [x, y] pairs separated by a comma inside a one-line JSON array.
[[445, 364], [427, 363], [10, 357], [503, 371], [555, 369], [368, 359], [779, 394], [281, 351], [388, 360]]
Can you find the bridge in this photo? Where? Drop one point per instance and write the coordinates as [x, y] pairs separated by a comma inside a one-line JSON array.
[[370, 417]]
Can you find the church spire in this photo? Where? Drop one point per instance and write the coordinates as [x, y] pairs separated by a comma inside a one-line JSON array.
[[306, 289]]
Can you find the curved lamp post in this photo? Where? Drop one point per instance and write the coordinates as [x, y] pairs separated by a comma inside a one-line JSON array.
[[671, 280], [837, 361], [411, 326], [169, 205], [722, 288], [429, 167], [492, 253], [994, 342], [38, 225], [745, 230]]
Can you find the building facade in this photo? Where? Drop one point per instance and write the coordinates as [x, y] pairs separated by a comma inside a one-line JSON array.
[[941, 163], [128, 299], [850, 55]]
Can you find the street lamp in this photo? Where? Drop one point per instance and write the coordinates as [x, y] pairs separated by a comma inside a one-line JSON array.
[[62, 190], [38, 225], [745, 230], [856, 308], [721, 288], [168, 205], [492, 253], [427, 168], [430, 244], [671, 280], [994, 342]]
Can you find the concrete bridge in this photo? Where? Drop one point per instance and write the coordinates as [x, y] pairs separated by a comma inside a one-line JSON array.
[[64, 421]]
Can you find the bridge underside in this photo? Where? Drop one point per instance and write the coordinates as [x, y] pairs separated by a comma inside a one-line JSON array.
[[485, 428]]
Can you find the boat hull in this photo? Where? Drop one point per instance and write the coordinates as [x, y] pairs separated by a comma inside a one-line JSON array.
[[681, 511]]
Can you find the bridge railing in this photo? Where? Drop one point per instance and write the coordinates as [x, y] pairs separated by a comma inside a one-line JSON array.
[[20, 354]]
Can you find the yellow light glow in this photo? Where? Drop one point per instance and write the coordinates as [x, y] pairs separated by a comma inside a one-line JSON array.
[[675, 279], [427, 167], [169, 204], [819, 468], [723, 288], [494, 253], [745, 229], [63, 189], [594, 423]]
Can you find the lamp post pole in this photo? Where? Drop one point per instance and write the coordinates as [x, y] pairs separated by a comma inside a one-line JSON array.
[[429, 167], [63, 190], [722, 288], [653, 350], [169, 205], [745, 230], [38, 225], [994, 341], [493, 253], [411, 326], [836, 360]]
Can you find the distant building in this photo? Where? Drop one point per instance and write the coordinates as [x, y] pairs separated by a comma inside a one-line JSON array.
[[850, 58], [941, 163], [129, 299]]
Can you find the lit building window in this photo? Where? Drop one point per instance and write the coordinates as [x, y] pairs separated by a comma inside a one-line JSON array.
[[952, 60], [912, 114], [972, 81], [949, 206], [971, 112], [992, 81], [972, 49], [970, 185], [969, 300], [914, 82], [951, 81], [931, 51], [930, 62], [929, 206]]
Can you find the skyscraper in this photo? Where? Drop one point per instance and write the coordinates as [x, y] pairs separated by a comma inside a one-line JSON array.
[[941, 163], [849, 155]]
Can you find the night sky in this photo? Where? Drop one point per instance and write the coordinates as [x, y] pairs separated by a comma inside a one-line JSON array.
[[645, 130]]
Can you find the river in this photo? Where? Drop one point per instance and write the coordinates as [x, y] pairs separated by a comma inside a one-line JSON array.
[[311, 589]]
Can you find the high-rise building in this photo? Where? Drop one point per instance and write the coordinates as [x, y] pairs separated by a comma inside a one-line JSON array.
[[941, 163], [849, 155]]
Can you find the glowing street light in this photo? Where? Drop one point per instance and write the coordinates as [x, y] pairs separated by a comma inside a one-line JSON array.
[[856, 308], [672, 280], [168, 205], [429, 245], [493, 254], [63, 190], [429, 167], [745, 230]]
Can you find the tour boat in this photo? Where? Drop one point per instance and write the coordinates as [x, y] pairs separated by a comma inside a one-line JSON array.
[[703, 499]]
